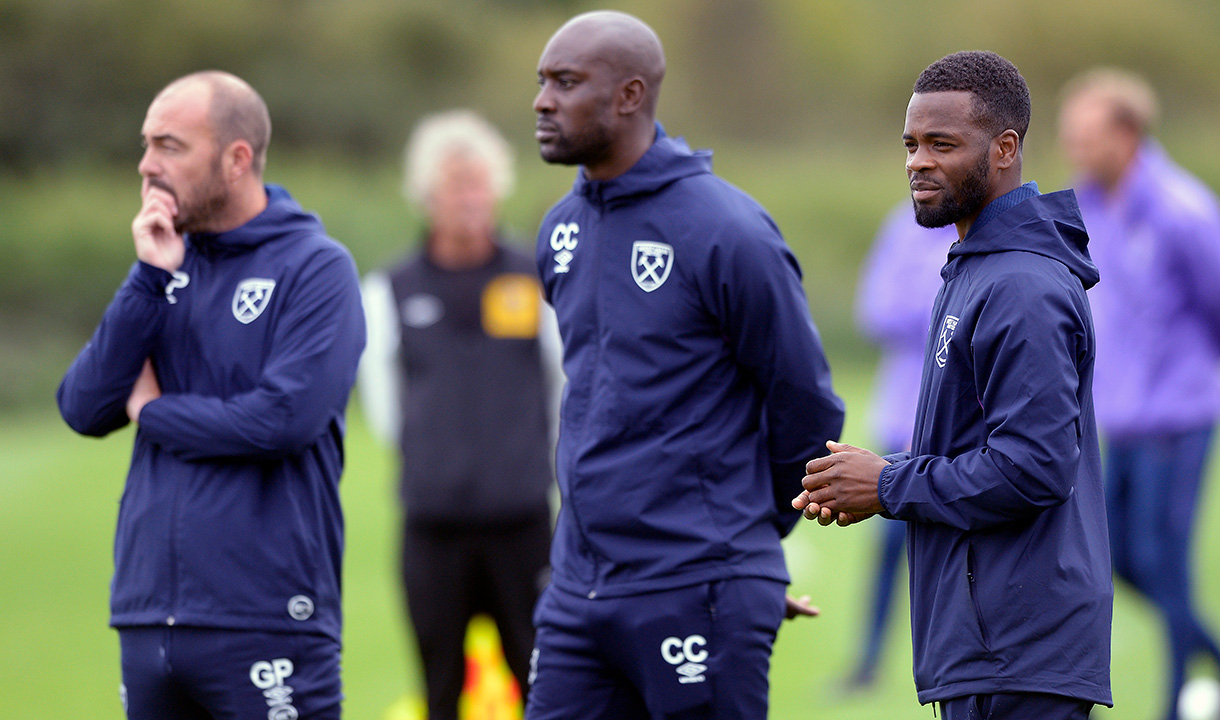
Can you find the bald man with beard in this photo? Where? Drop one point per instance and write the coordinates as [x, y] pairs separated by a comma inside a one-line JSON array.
[[697, 389], [232, 346]]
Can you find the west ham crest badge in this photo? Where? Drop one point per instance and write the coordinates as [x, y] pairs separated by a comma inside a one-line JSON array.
[[251, 299], [942, 342], [650, 264]]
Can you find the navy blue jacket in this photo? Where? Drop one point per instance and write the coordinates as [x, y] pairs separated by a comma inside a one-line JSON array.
[[697, 386], [1002, 491], [230, 517]]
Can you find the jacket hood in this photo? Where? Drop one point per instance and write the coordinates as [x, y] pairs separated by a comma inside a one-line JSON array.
[[669, 159], [282, 216], [1049, 225]]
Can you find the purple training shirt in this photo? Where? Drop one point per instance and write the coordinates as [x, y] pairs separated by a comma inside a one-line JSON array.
[[894, 297], [1156, 242]]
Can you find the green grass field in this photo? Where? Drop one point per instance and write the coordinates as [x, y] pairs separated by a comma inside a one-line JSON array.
[[58, 499]]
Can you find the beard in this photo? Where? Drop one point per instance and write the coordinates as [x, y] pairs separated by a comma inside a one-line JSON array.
[[589, 145], [587, 148], [199, 210], [960, 200]]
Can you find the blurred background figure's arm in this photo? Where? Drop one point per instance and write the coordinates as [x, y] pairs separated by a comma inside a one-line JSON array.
[[551, 347], [378, 376]]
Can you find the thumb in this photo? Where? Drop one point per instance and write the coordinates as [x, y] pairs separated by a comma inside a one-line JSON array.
[[838, 447]]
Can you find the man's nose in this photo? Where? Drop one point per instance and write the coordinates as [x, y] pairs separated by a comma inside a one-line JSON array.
[[147, 165], [543, 101], [919, 160]]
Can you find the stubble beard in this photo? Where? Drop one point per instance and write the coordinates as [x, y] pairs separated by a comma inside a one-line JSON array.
[[589, 145], [958, 201], [200, 213], [588, 148]]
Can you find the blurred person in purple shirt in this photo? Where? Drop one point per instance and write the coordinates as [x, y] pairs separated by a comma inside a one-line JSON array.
[[898, 284], [1155, 232]]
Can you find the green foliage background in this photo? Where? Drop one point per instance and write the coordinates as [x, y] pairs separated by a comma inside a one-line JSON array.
[[801, 99]]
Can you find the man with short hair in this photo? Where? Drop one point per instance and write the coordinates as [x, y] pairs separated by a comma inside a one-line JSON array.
[[461, 367], [697, 389], [233, 345], [1155, 233], [1011, 596]]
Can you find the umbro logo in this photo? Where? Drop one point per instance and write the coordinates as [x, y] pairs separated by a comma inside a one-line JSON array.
[[563, 242], [688, 655]]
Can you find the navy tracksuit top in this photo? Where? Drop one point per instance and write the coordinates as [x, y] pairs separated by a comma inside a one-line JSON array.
[[697, 386], [1002, 491], [230, 517]]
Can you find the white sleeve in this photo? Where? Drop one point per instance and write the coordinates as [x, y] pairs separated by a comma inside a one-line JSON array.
[[378, 376], [551, 347]]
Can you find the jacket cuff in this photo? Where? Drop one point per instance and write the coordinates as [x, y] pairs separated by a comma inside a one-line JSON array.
[[883, 484], [149, 279]]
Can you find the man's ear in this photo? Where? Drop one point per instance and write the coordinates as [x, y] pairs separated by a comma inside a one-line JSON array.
[[238, 157], [631, 96], [1008, 149]]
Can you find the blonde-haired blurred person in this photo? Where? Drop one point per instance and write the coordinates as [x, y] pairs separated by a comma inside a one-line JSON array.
[[460, 375], [1155, 237]]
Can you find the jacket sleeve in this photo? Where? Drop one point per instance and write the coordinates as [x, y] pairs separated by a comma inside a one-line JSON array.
[[1028, 345], [765, 318], [93, 395], [306, 377]]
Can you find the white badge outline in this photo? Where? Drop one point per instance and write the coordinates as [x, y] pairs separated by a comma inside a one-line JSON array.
[[641, 250], [947, 328], [245, 310]]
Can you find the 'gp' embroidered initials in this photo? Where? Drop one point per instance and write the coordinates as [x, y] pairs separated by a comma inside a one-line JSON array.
[[269, 677]]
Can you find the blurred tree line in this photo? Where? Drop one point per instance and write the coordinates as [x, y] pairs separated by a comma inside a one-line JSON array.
[[803, 99], [350, 75]]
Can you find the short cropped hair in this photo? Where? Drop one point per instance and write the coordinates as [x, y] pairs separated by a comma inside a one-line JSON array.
[[457, 132], [1133, 102], [236, 112], [1001, 97]]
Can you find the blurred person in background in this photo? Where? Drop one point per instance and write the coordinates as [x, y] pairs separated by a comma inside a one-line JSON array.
[[1155, 233], [459, 375], [898, 284], [233, 345], [697, 388]]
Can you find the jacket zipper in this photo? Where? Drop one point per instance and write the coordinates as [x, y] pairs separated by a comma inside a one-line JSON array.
[[974, 597]]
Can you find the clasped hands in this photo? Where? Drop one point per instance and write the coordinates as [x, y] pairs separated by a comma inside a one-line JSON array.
[[841, 487]]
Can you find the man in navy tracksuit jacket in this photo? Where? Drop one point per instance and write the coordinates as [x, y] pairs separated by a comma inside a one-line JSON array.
[[697, 389], [234, 347], [1010, 582]]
